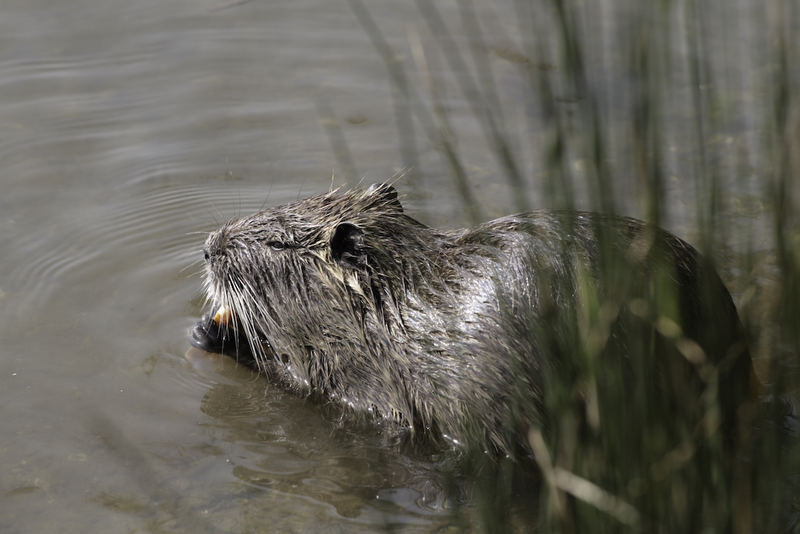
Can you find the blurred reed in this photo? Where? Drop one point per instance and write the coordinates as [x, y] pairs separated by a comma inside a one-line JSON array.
[[663, 121]]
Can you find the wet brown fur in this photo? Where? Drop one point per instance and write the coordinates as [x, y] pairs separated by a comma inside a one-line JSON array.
[[456, 333]]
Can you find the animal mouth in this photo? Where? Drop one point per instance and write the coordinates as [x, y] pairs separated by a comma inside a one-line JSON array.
[[222, 333], [216, 333]]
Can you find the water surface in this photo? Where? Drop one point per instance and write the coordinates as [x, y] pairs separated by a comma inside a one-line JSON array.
[[130, 129]]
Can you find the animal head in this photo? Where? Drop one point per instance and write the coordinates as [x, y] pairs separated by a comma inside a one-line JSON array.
[[307, 275]]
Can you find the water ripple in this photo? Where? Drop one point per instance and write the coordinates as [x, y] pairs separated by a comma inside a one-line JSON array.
[[160, 227]]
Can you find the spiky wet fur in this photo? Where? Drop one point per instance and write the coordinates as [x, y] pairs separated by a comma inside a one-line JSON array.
[[448, 333]]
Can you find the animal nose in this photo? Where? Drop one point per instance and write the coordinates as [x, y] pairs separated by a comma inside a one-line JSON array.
[[216, 244]]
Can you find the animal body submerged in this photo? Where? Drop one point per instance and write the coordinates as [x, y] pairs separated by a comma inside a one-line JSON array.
[[462, 333]]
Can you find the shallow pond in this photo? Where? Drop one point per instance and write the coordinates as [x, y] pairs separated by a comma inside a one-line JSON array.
[[131, 128]]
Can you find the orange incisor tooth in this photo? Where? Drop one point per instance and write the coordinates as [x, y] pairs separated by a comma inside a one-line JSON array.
[[223, 316]]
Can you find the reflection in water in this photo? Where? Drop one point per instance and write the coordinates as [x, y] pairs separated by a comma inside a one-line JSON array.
[[280, 445]]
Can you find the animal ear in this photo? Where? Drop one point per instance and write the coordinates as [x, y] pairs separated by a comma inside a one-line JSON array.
[[386, 195], [347, 245]]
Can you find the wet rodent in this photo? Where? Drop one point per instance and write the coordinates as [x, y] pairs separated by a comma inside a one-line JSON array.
[[460, 334]]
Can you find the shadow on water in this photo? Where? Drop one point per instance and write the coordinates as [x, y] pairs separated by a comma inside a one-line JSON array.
[[285, 448], [277, 449]]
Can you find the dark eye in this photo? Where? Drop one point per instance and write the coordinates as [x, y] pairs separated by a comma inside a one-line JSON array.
[[277, 245]]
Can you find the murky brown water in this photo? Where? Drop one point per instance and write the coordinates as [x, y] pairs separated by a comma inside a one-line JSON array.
[[129, 128]]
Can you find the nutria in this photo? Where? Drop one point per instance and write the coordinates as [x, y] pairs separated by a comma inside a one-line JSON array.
[[461, 334]]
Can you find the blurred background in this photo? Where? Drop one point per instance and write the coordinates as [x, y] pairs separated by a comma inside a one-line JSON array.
[[132, 128]]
